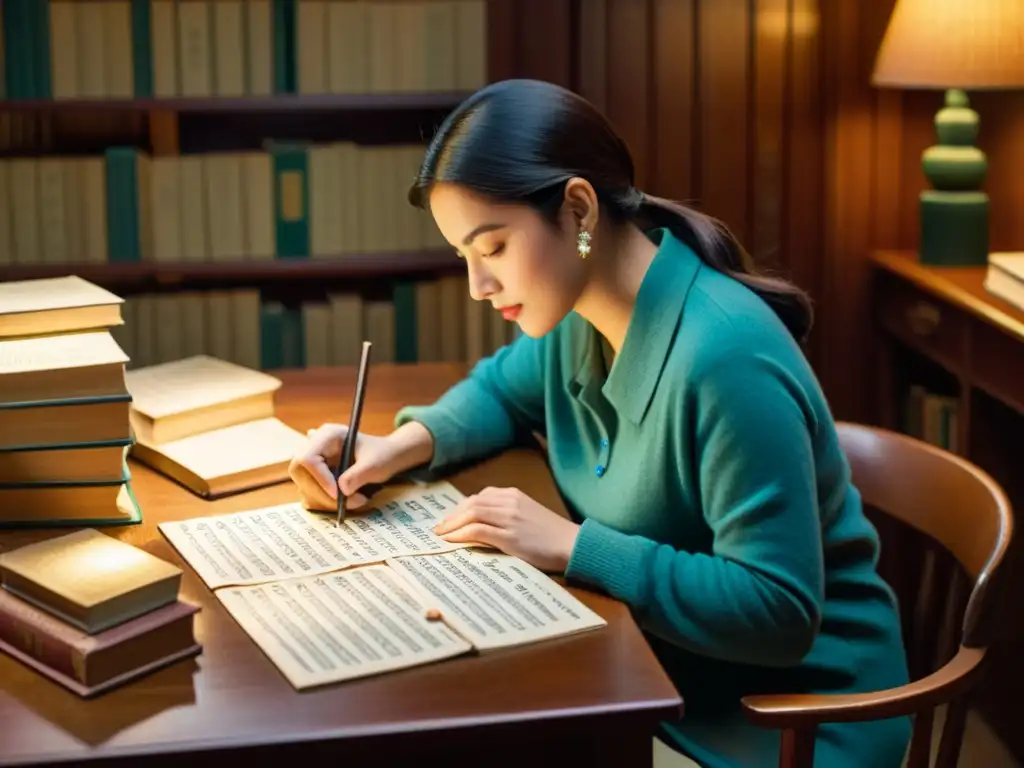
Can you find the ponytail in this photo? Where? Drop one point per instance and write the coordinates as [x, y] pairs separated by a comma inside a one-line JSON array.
[[712, 241]]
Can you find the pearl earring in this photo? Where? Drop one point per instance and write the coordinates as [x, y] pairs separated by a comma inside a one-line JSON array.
[[583, 244]]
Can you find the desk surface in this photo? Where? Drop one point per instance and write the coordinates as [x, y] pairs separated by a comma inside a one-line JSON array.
[[232, 696]]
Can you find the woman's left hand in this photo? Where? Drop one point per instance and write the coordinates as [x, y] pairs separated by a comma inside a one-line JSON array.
[[509, 520]]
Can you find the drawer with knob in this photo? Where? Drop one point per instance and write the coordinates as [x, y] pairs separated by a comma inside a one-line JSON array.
[[920, 320]]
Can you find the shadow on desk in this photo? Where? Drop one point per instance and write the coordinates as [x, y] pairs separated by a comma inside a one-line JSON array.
[[95, 721]]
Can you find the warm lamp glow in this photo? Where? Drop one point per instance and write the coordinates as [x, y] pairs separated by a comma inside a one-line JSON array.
[[966, 44]]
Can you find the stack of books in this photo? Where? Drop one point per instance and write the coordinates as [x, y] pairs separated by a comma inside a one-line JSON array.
[[91, 612], [1004, 277], [65, 428], [210, 425]]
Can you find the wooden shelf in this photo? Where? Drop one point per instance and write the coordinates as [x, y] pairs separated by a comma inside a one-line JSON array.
[[284, 102], [355, 265]]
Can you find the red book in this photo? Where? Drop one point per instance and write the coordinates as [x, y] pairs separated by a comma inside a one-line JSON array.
[[91, 664]]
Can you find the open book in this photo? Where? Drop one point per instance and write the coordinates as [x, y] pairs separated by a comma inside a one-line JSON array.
[[209, 424], [327, 603]]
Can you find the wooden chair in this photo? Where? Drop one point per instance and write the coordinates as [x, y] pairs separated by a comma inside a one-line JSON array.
[[967, 515]]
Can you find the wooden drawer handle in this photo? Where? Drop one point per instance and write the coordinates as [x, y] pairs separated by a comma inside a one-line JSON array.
[[923, 318]]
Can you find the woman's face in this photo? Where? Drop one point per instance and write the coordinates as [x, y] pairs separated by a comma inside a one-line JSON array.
[[529, 270]]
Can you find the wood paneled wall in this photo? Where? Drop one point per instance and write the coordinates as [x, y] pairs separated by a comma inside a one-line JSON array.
[[721, 103]]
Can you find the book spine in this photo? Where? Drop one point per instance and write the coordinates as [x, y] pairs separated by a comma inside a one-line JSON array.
[[142, 49], [42, 79], [283, 31], [125, 245], [293, 339], [291, 201], [271, 335], [17, 49], [404, 298], [42, 646]]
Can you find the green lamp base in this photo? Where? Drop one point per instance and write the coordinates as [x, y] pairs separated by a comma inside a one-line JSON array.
[[954, 229], [955, 212]]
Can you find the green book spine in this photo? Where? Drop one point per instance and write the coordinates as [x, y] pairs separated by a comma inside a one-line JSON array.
[[41, 76], [284, 53], [18, 65], [123, 227], [291, 200], [142, 49], [13, 55], [114, 207], [404, 298], [271, 336], [293, 339]]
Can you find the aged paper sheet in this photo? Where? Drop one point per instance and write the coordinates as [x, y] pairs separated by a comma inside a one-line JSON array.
[[287, 541], [342, 625], [496, 600]]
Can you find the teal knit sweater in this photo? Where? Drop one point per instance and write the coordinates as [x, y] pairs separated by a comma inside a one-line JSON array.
[[713, 498]]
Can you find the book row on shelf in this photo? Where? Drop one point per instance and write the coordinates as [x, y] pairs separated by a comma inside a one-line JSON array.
[[123, 49], [932, 416], [429, 320], [289, 201]]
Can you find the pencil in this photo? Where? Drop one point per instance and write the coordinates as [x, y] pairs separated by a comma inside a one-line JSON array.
[[353, 426]]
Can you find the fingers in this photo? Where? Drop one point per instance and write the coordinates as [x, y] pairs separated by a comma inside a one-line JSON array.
[[479, 534], [353, 478], [326, 442], [474, 509], [310, 470], [312, 492]]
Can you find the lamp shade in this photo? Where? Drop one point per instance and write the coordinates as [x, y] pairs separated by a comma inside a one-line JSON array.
[[966, 44]]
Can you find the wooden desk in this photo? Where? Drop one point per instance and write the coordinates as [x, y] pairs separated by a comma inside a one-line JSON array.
[[976, 340], [596, 697]]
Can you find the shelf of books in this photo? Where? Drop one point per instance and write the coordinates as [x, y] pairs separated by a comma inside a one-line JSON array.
[[362, 54], [238, 169]]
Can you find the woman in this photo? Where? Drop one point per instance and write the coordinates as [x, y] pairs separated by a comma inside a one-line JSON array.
[[686, 431]]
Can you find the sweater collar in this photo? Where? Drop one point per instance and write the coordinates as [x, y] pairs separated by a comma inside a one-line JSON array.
[[652, 328]]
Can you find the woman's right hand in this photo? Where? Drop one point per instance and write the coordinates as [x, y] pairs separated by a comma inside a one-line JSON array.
[[374, 460]]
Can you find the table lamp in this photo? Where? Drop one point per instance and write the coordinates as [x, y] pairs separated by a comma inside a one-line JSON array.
[[956, 46]]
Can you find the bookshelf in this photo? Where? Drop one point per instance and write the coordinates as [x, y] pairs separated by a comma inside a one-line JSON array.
[[237, 169], [950, 370]]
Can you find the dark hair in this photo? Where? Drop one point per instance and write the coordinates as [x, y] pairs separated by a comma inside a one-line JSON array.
[[522, 140]]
